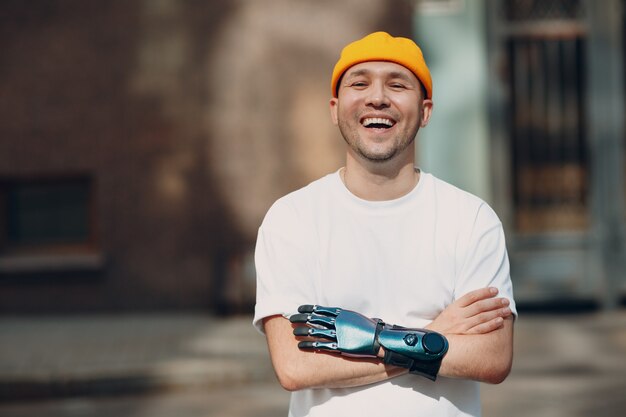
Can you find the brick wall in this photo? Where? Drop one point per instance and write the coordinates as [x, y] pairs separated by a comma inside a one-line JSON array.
[[190, 117]]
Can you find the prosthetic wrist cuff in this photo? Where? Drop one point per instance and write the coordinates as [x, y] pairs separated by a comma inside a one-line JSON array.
[[419, 350]]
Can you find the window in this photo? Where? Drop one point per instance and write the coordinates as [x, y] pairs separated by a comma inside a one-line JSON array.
[[49, 215], [546, 44], [550, 152]]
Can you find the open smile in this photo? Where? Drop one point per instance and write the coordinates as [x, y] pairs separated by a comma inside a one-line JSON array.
[[377, 123]]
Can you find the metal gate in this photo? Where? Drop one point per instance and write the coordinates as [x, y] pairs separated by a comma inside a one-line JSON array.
[[556, 105]]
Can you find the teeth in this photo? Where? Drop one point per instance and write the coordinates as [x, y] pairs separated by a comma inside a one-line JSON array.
[[377, 121]]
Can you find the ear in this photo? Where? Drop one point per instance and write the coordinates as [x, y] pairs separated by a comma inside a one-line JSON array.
[[333, 110], [427, 111]]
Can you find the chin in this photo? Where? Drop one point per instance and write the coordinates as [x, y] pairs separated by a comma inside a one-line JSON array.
[[378, 157]]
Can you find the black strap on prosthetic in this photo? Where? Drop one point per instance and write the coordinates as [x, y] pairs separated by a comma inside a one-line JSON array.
[[428, 369], [379, 327]]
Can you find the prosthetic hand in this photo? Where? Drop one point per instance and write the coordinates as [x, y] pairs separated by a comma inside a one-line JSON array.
[[353, 334]]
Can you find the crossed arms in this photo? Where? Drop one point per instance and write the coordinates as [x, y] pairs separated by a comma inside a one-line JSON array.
[[478, 326]]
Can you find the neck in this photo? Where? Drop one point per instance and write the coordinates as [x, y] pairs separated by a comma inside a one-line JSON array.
[[379, 181]]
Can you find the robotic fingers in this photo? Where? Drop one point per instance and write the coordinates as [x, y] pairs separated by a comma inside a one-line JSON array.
[[350, 333]]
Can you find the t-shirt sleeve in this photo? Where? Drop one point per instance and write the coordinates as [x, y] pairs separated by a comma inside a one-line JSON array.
[[484, 261], [284, 264]]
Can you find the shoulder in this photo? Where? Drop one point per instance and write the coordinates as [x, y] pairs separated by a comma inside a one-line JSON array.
[[295, 208], [451, 196], [447, 191], [460, 205]]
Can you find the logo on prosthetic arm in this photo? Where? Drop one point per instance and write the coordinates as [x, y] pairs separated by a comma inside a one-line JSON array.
[[411, 339]]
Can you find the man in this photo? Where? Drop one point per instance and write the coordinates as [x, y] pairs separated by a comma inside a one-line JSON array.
[[381, 238]]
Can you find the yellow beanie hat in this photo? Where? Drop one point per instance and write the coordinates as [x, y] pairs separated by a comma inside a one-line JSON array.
[[380, 46]]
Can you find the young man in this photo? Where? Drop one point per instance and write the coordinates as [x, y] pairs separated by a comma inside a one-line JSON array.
[[381, 238]]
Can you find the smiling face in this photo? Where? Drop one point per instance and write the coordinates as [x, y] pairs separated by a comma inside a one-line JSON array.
[[379, 109]]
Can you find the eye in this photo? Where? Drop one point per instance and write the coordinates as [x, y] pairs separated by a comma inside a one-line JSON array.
[[397, 86], [358, 84]]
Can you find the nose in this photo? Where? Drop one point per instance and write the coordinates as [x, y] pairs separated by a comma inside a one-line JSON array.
[[377, 96]]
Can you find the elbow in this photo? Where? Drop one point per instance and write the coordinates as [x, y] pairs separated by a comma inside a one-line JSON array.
[[496, 377], [497, 373], [293, 368], [289, 379], [288, 383]]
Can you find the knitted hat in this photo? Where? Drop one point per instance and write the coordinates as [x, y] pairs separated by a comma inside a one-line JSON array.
[[380, 46]]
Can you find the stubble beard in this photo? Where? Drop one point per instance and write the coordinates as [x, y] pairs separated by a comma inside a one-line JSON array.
[[354, 141]]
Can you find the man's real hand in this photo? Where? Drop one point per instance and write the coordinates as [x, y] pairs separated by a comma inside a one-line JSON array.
[[477, 312]]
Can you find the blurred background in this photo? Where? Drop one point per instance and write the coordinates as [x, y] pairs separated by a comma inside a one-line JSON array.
[[142, 142]]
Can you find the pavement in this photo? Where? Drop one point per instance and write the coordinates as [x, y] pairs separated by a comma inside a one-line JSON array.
[[99, 355], [565, 364]]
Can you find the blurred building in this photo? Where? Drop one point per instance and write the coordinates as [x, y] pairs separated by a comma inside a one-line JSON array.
[[529, 109], [142, 142]]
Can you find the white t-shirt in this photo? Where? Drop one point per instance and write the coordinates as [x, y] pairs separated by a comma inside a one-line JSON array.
[[402, 260]]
